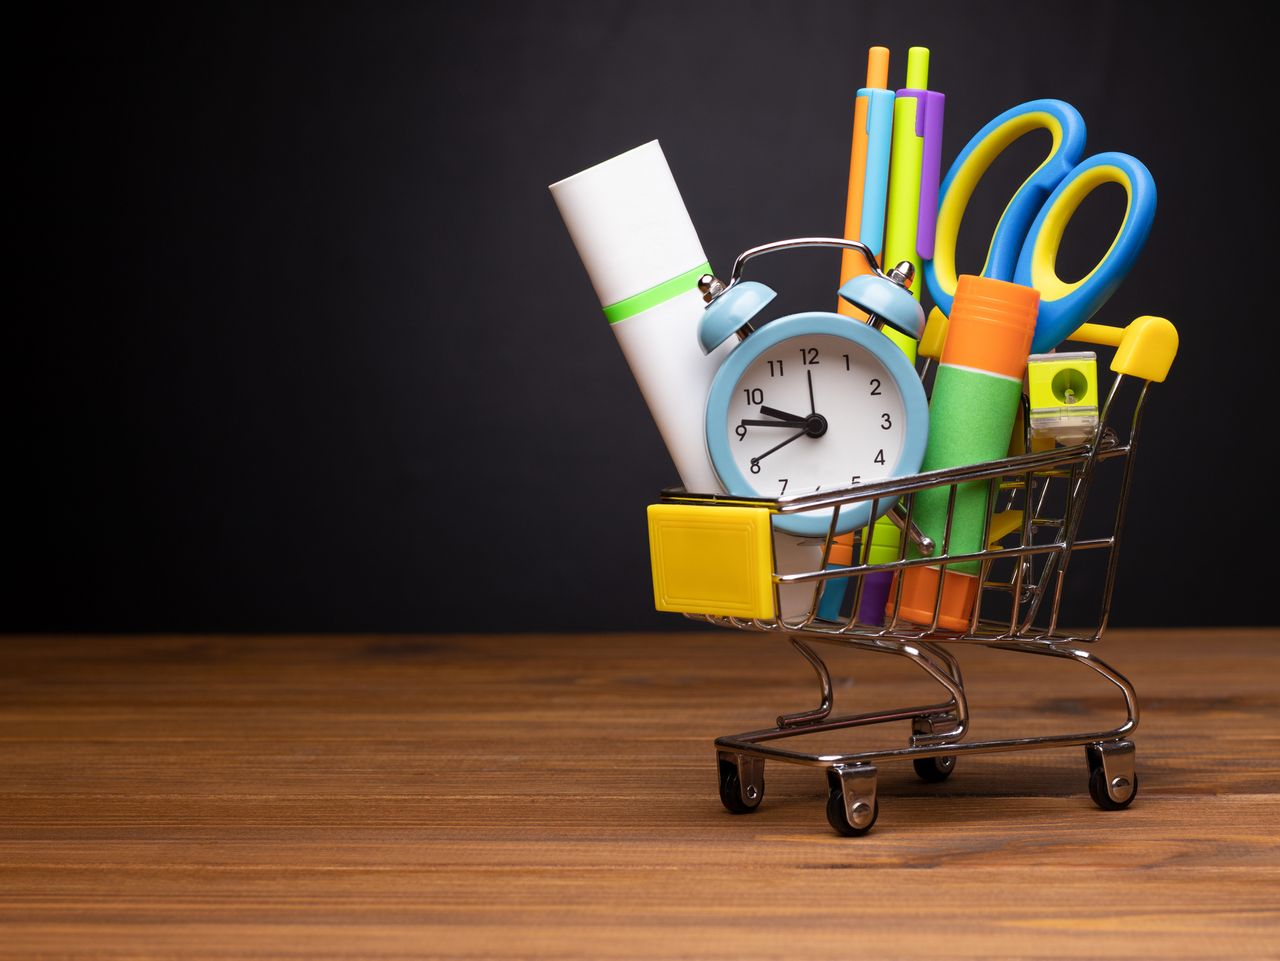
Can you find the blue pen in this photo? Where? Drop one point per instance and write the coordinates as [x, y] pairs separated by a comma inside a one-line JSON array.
[[868, 171]]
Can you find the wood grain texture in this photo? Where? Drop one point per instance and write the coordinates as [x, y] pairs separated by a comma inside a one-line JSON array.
[[555, 797]]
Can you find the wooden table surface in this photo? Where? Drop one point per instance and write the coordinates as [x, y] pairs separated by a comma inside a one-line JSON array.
[[555, 797]]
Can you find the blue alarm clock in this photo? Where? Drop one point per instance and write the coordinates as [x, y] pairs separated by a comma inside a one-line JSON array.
[[816, 400]]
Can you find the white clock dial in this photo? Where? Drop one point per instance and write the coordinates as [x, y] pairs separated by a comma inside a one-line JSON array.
[[815, 412]]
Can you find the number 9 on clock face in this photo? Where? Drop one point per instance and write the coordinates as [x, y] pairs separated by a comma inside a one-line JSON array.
[[813, 402]]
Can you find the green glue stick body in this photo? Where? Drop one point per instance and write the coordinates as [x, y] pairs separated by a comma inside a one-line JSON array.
[[976, 396]]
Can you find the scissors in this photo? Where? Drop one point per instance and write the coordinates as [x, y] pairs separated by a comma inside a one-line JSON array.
[[1024, 247]]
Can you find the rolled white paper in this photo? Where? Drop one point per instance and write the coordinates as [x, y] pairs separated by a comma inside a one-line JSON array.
[[633, 233]]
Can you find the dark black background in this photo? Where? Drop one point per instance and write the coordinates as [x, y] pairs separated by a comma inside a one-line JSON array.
[[304, 345]]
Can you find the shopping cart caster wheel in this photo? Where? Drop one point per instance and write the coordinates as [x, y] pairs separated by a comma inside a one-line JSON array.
[[1113, 783], [837, 818], [734, 795], [935, 770], [865, 807], [1103, 798]]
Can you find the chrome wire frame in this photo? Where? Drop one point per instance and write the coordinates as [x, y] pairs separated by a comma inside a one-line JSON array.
[[1033, 589]]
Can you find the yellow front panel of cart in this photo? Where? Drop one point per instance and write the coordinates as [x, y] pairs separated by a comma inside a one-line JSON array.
[[711, 560]]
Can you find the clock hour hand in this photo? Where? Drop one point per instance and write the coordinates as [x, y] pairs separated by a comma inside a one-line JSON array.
[[815, 425], [781, 414]]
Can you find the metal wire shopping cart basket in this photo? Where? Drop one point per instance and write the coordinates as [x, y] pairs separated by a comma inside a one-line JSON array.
[[1036, 535]]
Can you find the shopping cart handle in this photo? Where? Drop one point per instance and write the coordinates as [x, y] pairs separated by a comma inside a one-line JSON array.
[[1145, 349]]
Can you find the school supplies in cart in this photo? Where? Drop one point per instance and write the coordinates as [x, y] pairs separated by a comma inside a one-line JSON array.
[[848, 507]]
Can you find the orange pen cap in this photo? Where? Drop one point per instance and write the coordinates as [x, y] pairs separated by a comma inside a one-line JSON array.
[[841, 554], [920, 592]]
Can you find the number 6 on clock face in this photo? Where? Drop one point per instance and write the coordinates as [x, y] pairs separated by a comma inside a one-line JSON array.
[[810, 402]]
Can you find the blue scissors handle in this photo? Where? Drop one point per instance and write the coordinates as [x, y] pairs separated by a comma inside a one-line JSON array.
[[1025, 242], [1065, 306]]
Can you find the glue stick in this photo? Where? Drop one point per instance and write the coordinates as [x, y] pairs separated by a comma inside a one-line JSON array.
[[976, 395]]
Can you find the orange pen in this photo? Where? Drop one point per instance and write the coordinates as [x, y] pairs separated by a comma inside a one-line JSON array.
[[868, 170]]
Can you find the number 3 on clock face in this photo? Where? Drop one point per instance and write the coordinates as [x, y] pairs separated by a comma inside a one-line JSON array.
[[815, 401]]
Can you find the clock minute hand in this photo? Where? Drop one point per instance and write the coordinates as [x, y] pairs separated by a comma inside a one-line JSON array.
[[759, 458], [774, 423]]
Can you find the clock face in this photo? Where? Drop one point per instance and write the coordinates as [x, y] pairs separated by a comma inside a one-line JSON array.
[[811, 402], [812, 413]]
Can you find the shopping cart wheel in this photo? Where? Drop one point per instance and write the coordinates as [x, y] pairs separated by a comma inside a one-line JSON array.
[[739, 794], [935, 770], [1102, 797], [858, 784], [1113, 783]]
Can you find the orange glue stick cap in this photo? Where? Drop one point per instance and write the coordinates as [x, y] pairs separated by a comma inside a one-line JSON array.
[[991, 326]]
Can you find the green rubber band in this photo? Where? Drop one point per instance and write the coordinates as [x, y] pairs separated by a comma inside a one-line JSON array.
[[663, 292]]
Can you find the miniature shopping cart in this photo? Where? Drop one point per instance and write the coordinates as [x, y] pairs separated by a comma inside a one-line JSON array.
[[712, 561]]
